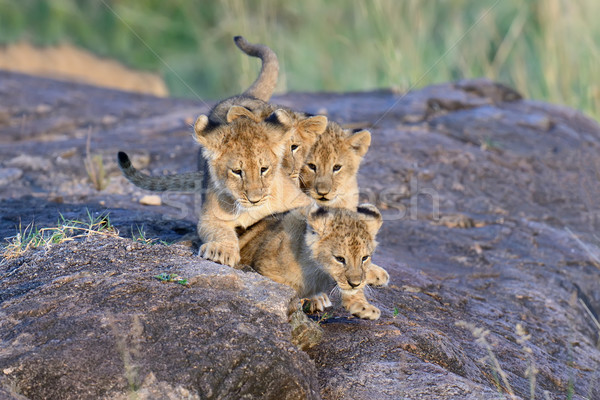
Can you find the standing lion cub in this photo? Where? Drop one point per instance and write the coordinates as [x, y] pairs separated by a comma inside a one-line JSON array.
[[312, 253]]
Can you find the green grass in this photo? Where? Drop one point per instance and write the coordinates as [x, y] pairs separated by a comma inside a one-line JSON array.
[[164, 277], [139, 235], [548, 50], [65, 230]]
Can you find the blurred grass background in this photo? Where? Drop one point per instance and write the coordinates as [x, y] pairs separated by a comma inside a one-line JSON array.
[[547, 49]]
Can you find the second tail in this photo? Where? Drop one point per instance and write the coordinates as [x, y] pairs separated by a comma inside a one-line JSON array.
[[188, 182]]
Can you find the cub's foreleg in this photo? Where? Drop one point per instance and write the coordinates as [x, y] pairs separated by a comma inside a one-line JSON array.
[[356, 303], [377, 276], [217, 232]]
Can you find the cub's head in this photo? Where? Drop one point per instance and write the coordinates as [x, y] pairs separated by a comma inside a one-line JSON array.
[[342, 241], [329, 171], [305, 131], [244, 155]]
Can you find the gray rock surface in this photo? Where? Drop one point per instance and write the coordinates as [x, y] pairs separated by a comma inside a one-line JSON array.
[[490, 238], [90, 320]]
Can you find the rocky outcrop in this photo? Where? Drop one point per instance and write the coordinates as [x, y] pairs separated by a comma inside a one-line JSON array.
[[92, 320], [490, 238]]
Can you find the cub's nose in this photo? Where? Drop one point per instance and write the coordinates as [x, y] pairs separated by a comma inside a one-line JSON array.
[[322, 190], [353, 284], [254, 196]]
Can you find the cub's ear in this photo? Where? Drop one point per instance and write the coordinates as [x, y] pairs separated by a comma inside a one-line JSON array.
[[317, 218], [315, 125], [236, 112], [281, 122], [360, 142], [204, 135], [280, 117], [371, 216]]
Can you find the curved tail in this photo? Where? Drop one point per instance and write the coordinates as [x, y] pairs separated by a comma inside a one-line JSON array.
[[188, 182], [264, 85]]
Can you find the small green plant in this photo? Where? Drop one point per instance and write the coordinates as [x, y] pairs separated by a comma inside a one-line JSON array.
[[94, 166], [164, 277], [32, 237], [324, 318], [490, 144], [139, 235], [396, 312]]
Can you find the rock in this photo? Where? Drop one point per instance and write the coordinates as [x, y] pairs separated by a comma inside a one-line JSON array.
[[33, 163], [103, 326], [490, 218], [9, 394], [151, 200], [43, 109], [305, 332], [8, 175]]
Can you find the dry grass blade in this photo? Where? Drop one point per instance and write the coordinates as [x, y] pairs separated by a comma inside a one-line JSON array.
[[94, 165], [593, 255], [480, 335]]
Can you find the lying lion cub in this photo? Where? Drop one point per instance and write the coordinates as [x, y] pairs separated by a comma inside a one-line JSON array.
[[311, 253]]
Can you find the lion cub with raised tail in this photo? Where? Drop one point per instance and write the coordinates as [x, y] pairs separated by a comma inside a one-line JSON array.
[[313, 252], [244, 140]]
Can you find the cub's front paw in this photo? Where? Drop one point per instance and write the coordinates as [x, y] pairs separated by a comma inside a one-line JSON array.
[[377, 276], [318, 303], [223, 253], [364, 310]]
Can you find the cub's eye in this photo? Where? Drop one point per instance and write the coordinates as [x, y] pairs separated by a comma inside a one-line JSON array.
[[312, 166], [294, 147], [238, 172], [263, 170], [336, 168], [341, 260], [365, 258]]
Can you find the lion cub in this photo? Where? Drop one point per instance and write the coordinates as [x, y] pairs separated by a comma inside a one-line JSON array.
[[329, 175], [329, 172], [311, 253]]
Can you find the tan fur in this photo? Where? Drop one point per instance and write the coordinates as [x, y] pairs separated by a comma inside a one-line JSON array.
[[265, 83], [305, 131], [244, 140], [254, 98], [187, 182], [341, 148], [246, 181], [311, 253], [304, 127], [331, 166]]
